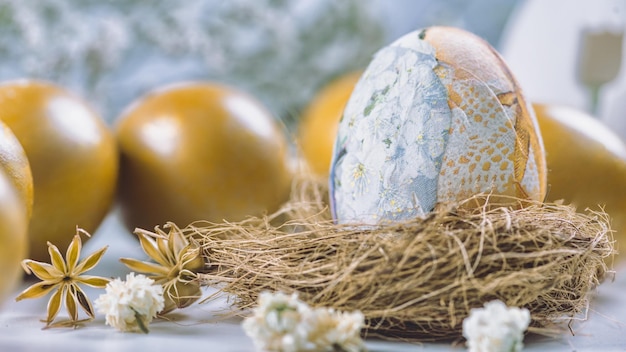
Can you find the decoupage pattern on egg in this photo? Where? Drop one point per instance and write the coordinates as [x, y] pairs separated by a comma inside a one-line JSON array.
[[388, 164], [436, 117]]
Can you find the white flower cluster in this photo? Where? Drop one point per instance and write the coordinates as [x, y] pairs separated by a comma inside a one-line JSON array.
[[496, 328], [130, 305], [285, 323]]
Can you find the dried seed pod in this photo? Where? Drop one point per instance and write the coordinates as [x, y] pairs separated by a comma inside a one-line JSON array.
[[177, 260], [180, 294]]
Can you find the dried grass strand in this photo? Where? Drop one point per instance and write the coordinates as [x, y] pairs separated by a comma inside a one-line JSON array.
[[415, 280]]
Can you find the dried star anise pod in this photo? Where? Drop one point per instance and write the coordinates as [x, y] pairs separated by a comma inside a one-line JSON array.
[[64, 275], [175, 266]]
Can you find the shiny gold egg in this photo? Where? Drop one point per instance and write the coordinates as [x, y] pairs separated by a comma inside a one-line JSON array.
[[199, 151], [73, 159]]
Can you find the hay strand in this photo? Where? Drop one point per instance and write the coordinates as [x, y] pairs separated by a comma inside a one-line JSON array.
[[415, 280]]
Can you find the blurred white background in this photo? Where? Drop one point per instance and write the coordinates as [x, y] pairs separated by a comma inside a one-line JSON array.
[[543, 45], [282, 51], [111, 52]]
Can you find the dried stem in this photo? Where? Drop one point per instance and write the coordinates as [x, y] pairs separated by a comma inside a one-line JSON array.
[[419, 279]]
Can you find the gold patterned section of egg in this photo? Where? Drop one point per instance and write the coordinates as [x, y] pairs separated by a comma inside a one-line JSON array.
[[436, 117], [492, 121]]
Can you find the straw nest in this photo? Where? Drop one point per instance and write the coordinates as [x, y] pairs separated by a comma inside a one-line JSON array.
[[419, 279]]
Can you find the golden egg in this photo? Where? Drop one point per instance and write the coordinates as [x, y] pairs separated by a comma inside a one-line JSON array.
[[14, 162], [199, 151], [318, 123], [13, 235], [73, 159], [586, 163]]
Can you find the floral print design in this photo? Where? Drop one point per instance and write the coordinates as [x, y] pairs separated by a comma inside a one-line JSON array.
[[391, 139]]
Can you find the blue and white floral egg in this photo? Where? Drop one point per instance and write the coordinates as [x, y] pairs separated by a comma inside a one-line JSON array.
[[436, 117]]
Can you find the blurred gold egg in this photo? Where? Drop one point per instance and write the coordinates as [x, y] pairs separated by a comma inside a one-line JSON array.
[[586, 163], [200, 151], [13, 235], [319, 121], [14, 162], [73, 159]]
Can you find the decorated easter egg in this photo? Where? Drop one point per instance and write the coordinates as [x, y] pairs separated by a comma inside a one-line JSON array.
[[437, 117]]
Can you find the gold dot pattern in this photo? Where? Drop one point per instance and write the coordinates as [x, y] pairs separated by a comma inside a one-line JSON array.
[[481, 154]]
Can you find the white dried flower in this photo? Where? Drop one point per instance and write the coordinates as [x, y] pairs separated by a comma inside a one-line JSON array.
[[130, 305], [275, 323], [496, 328], [328, 330], [284, 323]]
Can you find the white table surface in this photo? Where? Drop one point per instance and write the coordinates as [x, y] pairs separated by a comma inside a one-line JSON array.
[[197, 328]]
